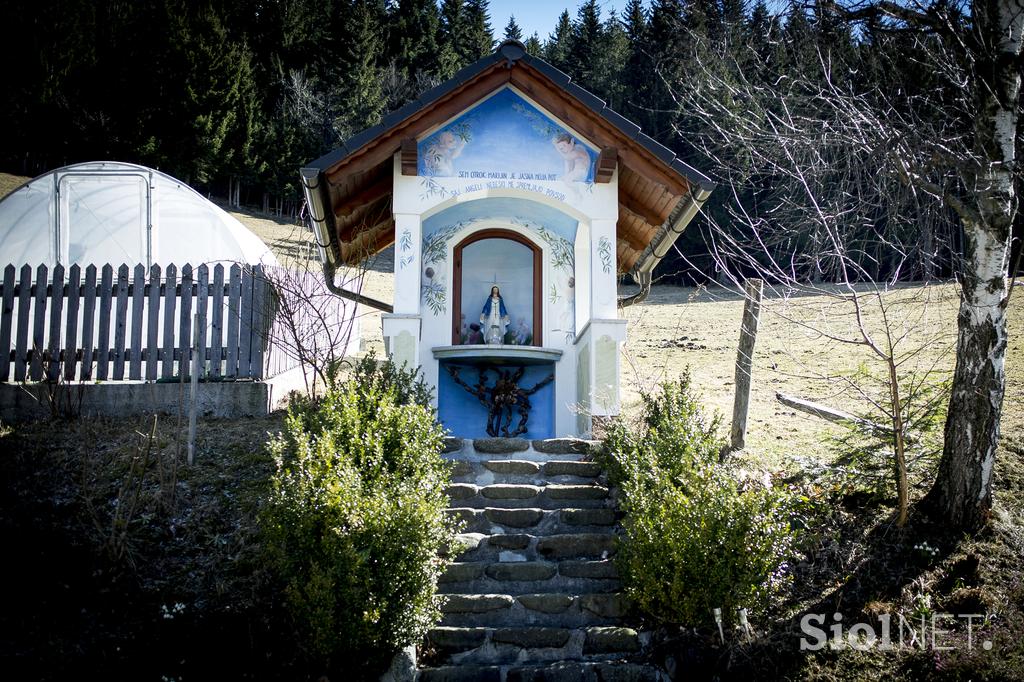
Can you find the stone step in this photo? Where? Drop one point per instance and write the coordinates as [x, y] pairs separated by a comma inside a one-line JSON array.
[[517, 496], [524, 471], [528, 547], [493, 520], [519, 448], [550, 547], [552, 609], [567, 671], [511, 645], [577, 576]]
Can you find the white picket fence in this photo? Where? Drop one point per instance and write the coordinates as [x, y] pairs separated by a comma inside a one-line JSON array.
[[107, 325]]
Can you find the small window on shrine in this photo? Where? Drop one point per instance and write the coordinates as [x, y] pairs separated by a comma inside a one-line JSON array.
[[497, 297]]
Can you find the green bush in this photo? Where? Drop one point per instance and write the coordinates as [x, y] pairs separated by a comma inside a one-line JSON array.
[[695, 540], [355, 526]]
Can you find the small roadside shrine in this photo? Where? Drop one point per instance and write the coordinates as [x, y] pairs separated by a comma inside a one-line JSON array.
[[514, 200]]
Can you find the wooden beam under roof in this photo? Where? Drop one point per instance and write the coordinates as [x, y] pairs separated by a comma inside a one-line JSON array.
[[365, 197], [410, 156], [634, 207], [624, 233], [365, 242], [604, 168]]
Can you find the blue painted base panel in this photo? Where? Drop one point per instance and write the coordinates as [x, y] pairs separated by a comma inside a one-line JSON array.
[[464, 416]]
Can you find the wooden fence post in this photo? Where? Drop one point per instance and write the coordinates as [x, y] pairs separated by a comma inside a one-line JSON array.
[[56, 308], [202, 294], [153, 323], [71, 328], [170, 301], [88, 323], [234, 315], [745, 361], [193, 388], [103, 350], [21, 342], [260, 327], [185, 317], [217, 322], [120, 321], [138, 299], [5, 322], [35, 370], [245, 325]]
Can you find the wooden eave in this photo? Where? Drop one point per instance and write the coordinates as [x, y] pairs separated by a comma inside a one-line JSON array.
[[359, 175]]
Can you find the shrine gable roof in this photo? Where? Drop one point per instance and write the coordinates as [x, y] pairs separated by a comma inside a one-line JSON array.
[[349, 189]]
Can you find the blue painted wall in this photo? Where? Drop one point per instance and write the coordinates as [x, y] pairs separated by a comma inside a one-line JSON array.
[[514, 209], [464, 416]]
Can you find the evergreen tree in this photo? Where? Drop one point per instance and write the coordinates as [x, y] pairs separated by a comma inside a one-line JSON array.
[[558, 47], [704, 19], [637, 74], [612, 57], [452, 37], [763, 37], [634, 22], [667, 60], [308, 37], [512, 30], [414, 37], [480, 38], [835, 38], [798, 37], [586, 45], [359, 101], [533, 46], [734, 24], [205, 77]]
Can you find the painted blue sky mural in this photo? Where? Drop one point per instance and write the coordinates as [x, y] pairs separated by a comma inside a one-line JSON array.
[[506, 137], [520, 210]]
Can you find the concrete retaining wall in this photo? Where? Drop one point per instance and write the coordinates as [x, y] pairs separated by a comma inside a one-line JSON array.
[[20, 402]]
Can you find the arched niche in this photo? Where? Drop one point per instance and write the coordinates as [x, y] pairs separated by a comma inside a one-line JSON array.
[[512, 262]]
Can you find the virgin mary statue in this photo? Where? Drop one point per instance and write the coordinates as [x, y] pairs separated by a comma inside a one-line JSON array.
[[494, 318]]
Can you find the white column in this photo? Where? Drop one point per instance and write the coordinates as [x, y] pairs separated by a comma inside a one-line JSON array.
[[402, 328], [408, 245], [605, 338], [606, 331], [603, 269]]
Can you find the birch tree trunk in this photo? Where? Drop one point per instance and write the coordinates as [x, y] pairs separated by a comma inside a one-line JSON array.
[[962, 493]]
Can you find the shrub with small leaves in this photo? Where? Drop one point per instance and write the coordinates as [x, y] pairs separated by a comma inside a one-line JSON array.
[[355, 527], [695, 540]]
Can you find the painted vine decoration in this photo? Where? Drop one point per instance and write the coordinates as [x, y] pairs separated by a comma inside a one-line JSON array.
[[604, 251]]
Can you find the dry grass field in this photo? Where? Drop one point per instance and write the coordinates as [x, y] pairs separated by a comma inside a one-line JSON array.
[[699, 328], [9, 183]]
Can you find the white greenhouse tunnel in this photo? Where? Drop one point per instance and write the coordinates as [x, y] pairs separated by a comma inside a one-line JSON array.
[[112, 212]]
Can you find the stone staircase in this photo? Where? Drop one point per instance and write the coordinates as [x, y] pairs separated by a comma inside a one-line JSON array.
[[534, 595]]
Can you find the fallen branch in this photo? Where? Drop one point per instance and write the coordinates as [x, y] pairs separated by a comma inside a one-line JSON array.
[[832, 415]]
